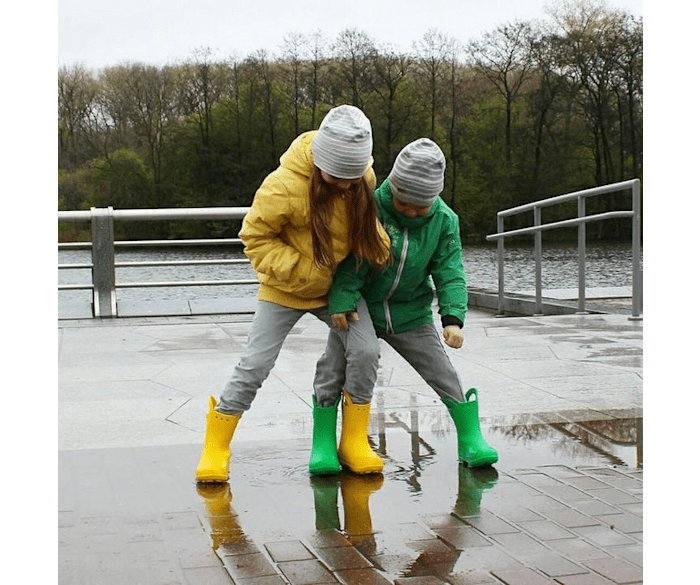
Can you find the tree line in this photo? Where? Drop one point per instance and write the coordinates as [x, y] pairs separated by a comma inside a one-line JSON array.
[[529, 110]]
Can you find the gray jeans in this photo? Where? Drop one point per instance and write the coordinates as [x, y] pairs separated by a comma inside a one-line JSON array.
[[423, 348], [350, 361]]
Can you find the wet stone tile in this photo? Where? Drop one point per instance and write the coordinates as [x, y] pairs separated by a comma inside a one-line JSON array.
[[461, 537], [603, 536], [267, 580], [490, 524], [546, 530], [583, 579], [363, 577], [520, 544], [306, 572], [207, 576], [248, 566], [577, 550], [343, 557], [614, 496], [522, 577], [292, 550], [427, 580], [594, 507], [627, 523], [571, 518], [617, 570], [555, 565]]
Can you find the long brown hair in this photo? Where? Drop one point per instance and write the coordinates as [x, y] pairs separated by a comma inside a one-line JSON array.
[[365, 241]]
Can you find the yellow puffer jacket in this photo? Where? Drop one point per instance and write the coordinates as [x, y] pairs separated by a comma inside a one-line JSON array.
[[277, 232]]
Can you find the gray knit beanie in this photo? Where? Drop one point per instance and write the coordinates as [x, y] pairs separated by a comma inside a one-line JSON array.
[[418, 174], [342, 146]]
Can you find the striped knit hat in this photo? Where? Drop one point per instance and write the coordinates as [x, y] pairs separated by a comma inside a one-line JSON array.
[[342, 146], [418, 175]]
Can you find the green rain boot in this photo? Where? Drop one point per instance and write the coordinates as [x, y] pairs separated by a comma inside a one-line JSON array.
[[471, 446], [324, 450]]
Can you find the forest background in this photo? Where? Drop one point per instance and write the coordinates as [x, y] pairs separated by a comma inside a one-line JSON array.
[[527, 111]]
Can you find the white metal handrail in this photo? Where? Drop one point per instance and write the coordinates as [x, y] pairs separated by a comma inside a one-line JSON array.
[[103, 246], [580, 221]]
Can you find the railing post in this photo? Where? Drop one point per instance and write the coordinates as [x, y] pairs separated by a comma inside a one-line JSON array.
[[538, 260], [636, 251], [103, 278], [582, 256], [501, 286]]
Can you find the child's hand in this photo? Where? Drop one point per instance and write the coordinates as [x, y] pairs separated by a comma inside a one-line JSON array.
[[453, 336], [340, 320]]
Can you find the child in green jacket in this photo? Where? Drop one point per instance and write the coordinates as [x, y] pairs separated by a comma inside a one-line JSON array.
[[427, 251]]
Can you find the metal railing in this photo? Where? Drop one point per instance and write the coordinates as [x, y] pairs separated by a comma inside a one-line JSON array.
[[580, 221], [103, 264]]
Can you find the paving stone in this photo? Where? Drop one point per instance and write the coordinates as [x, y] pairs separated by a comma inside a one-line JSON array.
[[362, 577], [627, 523], [306, 572], [342, 557], [428, 580], [520, 544], [603, 536], [522, 577], [577, 549], [291, 550], [461, 537], [490, 524], [585, 579], [616, 570], [207, 576], [248, 566], [614, 496], [546, 530], [267, 580], [555, 565]]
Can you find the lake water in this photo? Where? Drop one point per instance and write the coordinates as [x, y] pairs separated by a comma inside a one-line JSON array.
[[607, 265]]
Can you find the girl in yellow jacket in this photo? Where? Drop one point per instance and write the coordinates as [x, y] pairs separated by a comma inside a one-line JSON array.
[[308, 215]]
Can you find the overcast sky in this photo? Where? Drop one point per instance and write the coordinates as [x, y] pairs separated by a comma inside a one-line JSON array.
[[98, 33]]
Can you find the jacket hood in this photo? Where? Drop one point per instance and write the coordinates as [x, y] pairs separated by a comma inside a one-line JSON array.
[[298, 157], [386, 202]]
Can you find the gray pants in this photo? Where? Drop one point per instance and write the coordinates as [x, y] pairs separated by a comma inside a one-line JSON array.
[[423, 348], [350, 361]]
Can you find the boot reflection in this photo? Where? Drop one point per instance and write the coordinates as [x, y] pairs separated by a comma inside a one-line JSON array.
[[472, 483], [356, 491], [325, 488], [225, 529]]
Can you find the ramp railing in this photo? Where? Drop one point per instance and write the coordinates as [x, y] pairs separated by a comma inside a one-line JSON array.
[[581, 220]]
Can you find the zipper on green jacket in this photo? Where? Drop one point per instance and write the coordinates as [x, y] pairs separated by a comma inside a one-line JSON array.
[[399, 270]]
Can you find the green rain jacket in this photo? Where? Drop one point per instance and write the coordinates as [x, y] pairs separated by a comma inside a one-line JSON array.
[[423, 248]]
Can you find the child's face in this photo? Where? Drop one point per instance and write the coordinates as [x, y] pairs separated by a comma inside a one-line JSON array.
[[409, 210], [338, 184]]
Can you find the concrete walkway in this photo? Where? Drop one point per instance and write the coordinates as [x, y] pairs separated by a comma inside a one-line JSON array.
[[560, 399]]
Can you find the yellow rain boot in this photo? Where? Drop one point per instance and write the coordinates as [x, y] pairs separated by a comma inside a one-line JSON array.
[[213, 464], [354, 451]]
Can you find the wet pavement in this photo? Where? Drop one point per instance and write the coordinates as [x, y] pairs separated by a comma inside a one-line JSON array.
[[560, 399]]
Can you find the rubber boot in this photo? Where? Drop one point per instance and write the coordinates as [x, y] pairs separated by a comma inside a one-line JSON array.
[[471, 446], [354, 451], [225, 529], [356, 492], [472, 483], [216, 454], [326, 502], [324, 450]]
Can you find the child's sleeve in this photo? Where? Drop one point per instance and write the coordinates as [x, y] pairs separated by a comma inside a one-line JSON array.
[[347, 282], [447, 271]]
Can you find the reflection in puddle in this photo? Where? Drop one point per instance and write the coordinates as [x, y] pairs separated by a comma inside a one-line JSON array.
[[424, 511]]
